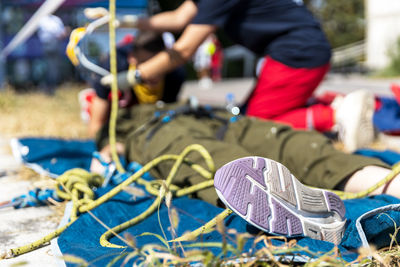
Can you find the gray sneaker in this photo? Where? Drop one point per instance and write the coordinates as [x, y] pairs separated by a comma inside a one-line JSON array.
[[265, 194], [354, 119]]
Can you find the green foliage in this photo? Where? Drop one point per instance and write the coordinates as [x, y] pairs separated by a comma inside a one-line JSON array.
[[394, 67], [342, 20]]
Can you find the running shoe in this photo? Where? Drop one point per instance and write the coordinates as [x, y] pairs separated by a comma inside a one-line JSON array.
[[265, 194], [354, 118]]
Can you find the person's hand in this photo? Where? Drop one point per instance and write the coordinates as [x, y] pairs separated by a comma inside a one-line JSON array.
[[125, 79], [121, 21], [95, 13], [128, 21]]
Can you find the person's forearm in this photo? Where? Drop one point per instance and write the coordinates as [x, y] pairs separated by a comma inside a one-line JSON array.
[[99, 112], [161, 64], [181, 52], [164, 22], [172, 21]]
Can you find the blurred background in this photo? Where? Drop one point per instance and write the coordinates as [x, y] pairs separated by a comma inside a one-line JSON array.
[[363, 33], [25, 67]]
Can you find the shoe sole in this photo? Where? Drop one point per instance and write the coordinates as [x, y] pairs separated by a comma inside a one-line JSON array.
[[361, 132], [366, 127], [265, 194]]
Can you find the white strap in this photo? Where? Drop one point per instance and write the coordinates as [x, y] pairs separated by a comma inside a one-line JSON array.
[[361, 233], [309, 119]]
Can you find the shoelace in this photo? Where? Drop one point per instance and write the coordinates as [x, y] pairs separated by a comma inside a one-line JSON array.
[[380, 210]]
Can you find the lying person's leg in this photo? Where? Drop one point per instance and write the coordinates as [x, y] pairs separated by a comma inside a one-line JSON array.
[[172, 138], [324, 220], [369, 176], [311, 157]]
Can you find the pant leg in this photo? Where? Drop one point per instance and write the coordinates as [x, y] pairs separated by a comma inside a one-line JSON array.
[[128, 120], [309, 155], [282, 92], [172, 138]]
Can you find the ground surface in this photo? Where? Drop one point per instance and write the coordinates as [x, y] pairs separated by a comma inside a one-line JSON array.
[[18, 227], [242, 87]]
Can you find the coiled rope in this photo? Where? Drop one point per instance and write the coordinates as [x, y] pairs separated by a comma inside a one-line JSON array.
[[77, 185]]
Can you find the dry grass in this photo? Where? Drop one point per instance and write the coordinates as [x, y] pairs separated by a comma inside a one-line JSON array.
[[37, 114]]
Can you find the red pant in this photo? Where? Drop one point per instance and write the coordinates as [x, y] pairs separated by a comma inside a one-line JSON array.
[[281, 94]]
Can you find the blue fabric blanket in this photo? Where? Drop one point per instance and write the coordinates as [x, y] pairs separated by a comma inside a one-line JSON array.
[[389, 156], [82, 238], [387, 118], [54, 156]]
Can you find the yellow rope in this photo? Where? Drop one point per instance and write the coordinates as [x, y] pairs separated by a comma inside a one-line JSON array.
[[41, 242], [204, 153], [205, 228], [114, 89], [77, 185]]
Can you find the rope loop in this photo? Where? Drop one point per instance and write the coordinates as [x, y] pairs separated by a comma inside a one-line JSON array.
[[79, 181]]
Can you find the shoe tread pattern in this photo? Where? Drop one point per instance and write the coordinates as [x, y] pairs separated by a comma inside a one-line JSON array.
[[310, 200], [273, 179], [284, 222], [231, 181], [270, 207], [335, 203]]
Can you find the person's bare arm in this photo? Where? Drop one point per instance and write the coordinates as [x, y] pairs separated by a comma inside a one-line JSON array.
[[172, 21], [181, 52], [99, 112]]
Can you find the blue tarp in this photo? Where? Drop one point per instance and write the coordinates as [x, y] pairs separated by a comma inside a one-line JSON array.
[[389, 156], [387, 117], [55, 155], [82, 238]]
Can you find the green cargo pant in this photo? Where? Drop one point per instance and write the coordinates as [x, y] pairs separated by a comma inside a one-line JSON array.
[[309, 155]]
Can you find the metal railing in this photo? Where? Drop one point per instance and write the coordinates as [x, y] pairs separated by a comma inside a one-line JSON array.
[[343, 55]]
